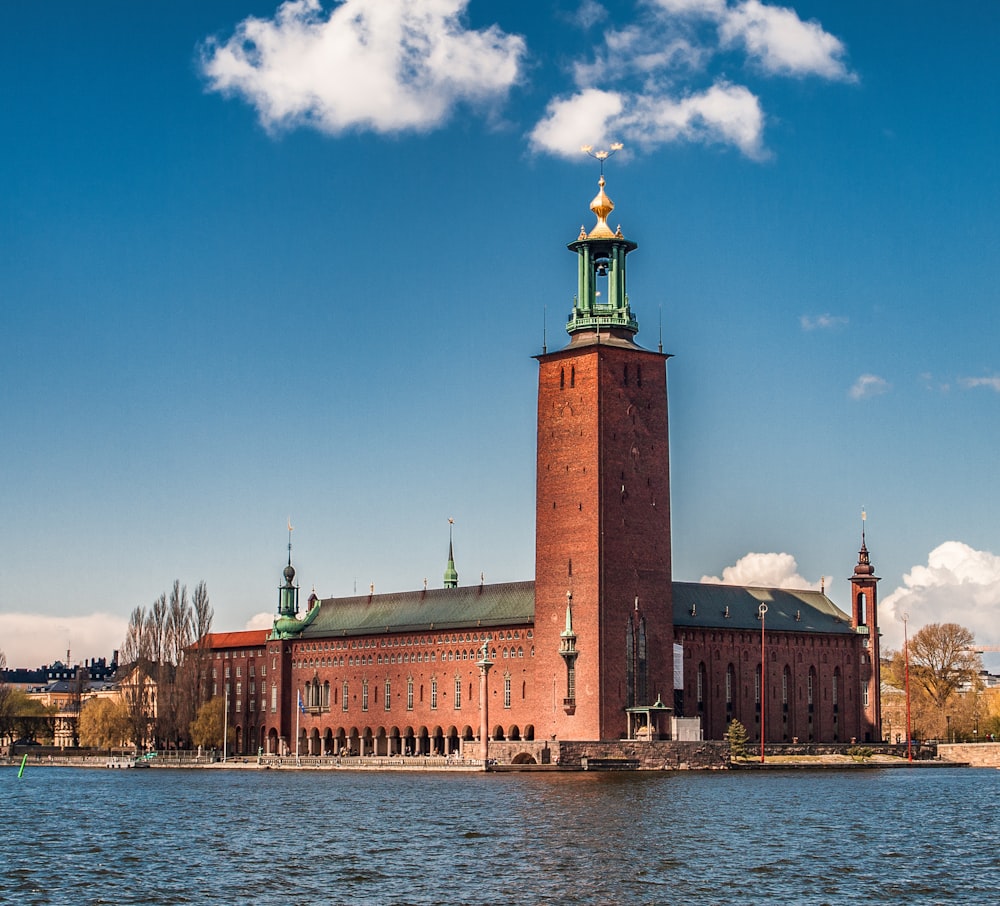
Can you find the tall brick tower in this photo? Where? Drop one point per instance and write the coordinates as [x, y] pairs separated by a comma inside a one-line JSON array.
[[864, 619], [603, 596]]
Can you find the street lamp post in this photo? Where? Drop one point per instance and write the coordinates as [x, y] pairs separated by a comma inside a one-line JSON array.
[[906, 661], [484, 702], [761, 610]]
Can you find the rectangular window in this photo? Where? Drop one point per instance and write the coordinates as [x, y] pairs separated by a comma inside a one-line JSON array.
[[263, 669], [506, 691], [864, 694], [274, 698], [364, 695], [251, 670], [239, 688], [239, 670], [409, 695], [227, 671], [458, 692], [833, 691], [434, 694], [344, 697], [239, 704], [388, 695], [253, 688]]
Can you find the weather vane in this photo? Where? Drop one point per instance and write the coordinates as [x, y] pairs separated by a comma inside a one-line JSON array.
[[602, 156]]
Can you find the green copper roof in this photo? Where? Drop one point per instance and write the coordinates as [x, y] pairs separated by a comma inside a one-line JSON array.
[[504, 604], [696, 605], [701, 605]]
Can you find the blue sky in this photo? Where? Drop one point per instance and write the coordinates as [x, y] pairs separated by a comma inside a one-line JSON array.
[[261, 262]]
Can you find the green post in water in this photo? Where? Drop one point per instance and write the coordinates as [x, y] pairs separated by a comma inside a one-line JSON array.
[[23, 761]]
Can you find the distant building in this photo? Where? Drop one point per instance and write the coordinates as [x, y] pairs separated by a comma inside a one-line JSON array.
[[603, 644]]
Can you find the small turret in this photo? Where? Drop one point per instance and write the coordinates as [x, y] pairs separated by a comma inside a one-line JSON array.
[[450, 573]]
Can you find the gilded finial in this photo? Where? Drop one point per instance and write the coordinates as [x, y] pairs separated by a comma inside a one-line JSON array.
[[602, 206]]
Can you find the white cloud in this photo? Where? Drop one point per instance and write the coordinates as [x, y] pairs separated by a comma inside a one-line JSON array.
[[781, 42], [31, 639], [822, 322], [726, 114], [389, 66], [992, 382], [260, 621], [868, 385], [655, 68], [579, 120], [767, 570], [959, 584]]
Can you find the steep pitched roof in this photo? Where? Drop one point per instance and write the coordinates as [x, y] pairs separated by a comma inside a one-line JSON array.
[[503, 604], [249, 638], [701, 605]]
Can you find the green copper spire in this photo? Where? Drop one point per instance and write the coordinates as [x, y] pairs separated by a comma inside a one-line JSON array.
[[287, 624], [450, 573], [601, 301]]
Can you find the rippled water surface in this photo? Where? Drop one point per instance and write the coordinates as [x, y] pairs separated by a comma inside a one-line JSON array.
[[916, 836]]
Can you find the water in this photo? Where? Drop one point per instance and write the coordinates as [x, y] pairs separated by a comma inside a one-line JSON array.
[[162, 836]]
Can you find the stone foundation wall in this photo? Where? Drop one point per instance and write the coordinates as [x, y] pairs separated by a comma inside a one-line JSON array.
[[666, 755], [978, 754]]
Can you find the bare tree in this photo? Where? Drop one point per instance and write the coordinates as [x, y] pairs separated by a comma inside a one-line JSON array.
[[165, 651], [942, 658], [135, 680]]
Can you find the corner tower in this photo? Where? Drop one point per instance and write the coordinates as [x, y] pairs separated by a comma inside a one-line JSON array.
[[602, 525], [864, 620]]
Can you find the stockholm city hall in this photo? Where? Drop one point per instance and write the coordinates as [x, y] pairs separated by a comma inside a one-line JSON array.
[[603, 644]]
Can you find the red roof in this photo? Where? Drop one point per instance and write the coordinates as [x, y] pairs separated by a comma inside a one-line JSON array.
[[248, 639]]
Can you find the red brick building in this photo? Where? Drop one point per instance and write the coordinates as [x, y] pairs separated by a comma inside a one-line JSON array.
[[603, 644]]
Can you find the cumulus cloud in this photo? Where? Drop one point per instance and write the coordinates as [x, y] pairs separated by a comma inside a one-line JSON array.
[[390, 66], [723, 114], [260, 621], [822, 322], [657, 68], [781, 43], [959, 584], [992, 382], [868, 385], [31, 639], [767, 570]]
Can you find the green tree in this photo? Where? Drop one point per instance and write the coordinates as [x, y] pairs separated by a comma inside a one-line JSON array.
[[28, 718], [207, 727], [104, 723], [738, 739], [5, 701]]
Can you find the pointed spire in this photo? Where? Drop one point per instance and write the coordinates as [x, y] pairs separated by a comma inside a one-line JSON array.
[[864, 567], [450, 573]]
